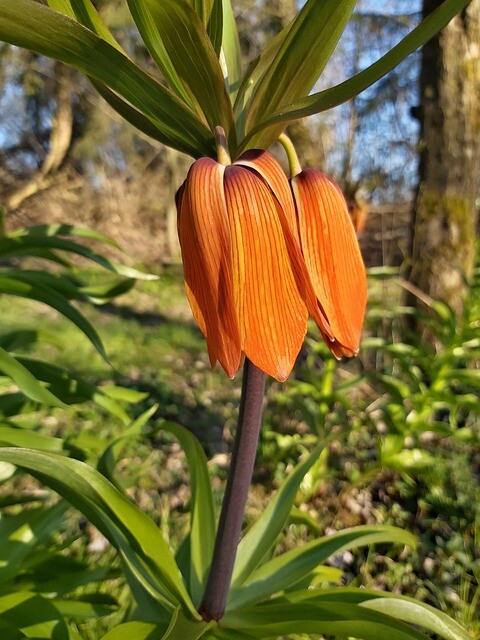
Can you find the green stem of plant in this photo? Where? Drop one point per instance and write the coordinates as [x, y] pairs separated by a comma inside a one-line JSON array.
[[293, 161], [223, 155], [236, 493]]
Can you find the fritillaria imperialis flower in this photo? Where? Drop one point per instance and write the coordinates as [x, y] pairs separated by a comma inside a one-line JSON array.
[[260, 253]]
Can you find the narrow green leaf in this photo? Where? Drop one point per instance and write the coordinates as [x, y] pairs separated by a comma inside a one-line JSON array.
[[255, 73], [112, 407], [135, 631], [109, 458], [215, 26], [262, 536], [67, 580], [400, 607], [273, 620], [127, 112], [181, 627], [86, 14], [123, 394], [57, 301], [210, 13], [62, 384], [281, 572], [344, 91], [61, 229], [230, 56], [151, 37], [192, 54], [54, 282], [301, 57], [25, 381], [79, 610], [33, 245], [31, 616], [26, 23], [12, 436], [203, 9], [419, 614], [202, 525], [21, 533], [148, 561], [107, 289]]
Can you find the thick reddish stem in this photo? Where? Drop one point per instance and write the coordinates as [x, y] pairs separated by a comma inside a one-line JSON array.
[[236, 493]]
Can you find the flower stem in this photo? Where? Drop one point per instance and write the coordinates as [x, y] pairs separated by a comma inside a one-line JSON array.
[[293, 161], [236, 493], [223, 155]]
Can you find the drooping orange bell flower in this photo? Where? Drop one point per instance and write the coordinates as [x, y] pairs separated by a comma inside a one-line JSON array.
[[256, 261]]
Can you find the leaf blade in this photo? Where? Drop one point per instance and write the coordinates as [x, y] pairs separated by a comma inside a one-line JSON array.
[[301, 57], [257, 542], [142, 547], [338, 94], [31, 25], [283, 571]]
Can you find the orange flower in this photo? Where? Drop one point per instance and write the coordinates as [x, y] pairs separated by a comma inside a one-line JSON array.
[[253, 267]]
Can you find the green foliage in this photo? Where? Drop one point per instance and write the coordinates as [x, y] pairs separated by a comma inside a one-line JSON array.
[[161, 595], [195, 47]]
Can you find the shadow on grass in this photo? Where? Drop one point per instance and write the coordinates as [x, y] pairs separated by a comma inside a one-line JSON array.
[[145, 318]]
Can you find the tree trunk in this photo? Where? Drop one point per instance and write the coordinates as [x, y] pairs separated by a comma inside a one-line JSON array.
[[60, 140], [443, 246]]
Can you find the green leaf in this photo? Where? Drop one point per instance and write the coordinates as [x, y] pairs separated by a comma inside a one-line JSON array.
[[281, 572], [43, 279], [26, 23], [195, 60], [300, 59], [135, 631], [273, 620], [148, 561], [214, 26], [123, 394], [181, 628], [152, 39], [66, 579], [230, 56], [343, 92], [400, 607], [252, 78], [21, 533], [409, 460], [127, 112], [32, 617], [26, 244], [419, 614], [25, 381], [62, 384], [31, 289], [262, 536], [202, 526], [16, 437], [62, 229], [80, 610], [86, 14], [107, 289], [109, 458]]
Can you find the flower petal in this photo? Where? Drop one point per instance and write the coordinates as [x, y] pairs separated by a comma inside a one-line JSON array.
[[270, 170], [271, 312], [332, 257], [205, 242], [272, 173]]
